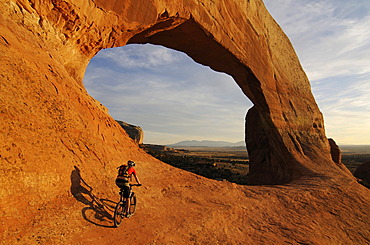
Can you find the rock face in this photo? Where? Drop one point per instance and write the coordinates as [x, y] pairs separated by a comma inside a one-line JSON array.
[[265, 165], [336, 155], [135, 132], [59, 148]]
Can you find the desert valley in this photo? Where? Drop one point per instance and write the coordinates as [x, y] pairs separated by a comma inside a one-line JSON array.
[[231, 163]]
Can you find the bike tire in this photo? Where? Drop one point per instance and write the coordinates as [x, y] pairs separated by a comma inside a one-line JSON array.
[[119, 213], [132, 207]]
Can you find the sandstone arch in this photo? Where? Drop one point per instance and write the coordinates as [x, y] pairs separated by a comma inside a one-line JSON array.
[[286, 136], [285, 129]]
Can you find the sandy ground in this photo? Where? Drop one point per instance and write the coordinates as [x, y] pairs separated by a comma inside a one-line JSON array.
[[178, 207]]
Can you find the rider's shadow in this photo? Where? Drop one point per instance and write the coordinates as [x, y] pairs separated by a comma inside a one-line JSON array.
[[99, 211]]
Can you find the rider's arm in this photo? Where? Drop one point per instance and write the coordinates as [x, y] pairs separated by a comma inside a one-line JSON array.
[[137, 178]]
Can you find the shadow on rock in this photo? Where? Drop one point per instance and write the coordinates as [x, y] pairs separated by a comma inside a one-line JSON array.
[[99, 211]]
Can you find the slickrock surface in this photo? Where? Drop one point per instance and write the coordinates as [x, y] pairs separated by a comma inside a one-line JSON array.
[[59, 148]]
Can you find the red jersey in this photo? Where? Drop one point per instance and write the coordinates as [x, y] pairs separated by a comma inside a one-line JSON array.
[[131, 171]]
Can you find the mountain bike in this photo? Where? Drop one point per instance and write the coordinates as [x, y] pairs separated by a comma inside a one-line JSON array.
[[120, 210]]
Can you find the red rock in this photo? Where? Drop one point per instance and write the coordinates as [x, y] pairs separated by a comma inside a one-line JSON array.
[[336, 155]]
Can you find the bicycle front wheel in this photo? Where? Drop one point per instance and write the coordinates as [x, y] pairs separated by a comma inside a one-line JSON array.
[[119, 213], [132, 207]]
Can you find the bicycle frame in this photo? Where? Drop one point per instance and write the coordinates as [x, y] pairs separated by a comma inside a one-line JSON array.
[[120, 211]]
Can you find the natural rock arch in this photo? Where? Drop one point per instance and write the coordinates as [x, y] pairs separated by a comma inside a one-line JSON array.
[[285, 130], [269, 163]]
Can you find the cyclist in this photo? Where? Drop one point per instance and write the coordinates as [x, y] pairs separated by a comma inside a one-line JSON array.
[[123, 179]]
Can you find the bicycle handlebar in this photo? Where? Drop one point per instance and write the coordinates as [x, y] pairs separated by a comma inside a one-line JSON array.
[[135, 184]]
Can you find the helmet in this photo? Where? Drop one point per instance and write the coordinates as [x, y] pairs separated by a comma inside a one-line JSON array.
[[131, 163]]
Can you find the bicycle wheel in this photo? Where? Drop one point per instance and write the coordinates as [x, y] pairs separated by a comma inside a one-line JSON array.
[[132, 204], [119, 213]]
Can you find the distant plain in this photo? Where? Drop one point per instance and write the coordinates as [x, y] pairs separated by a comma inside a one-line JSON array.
[[232, 163]]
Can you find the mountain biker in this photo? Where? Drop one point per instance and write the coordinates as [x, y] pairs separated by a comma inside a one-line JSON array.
[[123, 179]]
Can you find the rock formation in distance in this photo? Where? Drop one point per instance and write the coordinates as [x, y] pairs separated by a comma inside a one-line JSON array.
[[134, 132]]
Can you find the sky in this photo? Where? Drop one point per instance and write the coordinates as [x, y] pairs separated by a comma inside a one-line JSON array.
[[173, 98]]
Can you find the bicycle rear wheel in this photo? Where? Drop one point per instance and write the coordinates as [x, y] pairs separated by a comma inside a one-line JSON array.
[[119, 213], [132, 207]]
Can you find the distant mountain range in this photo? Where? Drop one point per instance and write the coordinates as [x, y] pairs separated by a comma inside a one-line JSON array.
[[206, 143], [352, 149]]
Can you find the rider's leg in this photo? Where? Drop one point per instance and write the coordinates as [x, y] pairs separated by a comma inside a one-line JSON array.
[[127, 207], [128, 203], [126, 195]]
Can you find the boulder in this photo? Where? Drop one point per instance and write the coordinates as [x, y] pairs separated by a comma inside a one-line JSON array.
[[335, 152], [135, 132]]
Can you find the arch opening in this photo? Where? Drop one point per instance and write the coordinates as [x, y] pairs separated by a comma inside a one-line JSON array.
[[156, 85], [174, 99]]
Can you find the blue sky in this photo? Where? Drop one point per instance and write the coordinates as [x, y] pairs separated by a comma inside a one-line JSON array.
[[173, 98]]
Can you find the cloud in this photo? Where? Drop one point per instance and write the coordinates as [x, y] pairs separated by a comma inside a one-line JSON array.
[[330, 37], [332, 40], [147, 56], [166, 92]]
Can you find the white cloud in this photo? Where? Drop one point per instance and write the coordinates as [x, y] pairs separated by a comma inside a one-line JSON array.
[[328, 37], [332, 40], [172, 95], [147, 56]]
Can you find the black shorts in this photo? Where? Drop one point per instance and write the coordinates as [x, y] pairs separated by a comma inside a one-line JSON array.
[[124, 185], [126, 191]]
